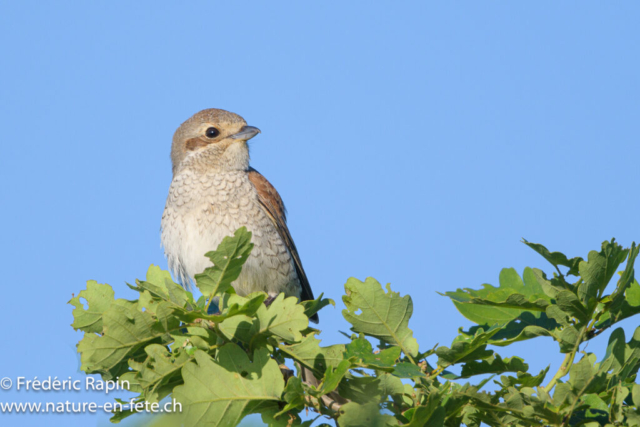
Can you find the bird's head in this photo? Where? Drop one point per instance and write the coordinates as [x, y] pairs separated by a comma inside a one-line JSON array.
[[212, 140]]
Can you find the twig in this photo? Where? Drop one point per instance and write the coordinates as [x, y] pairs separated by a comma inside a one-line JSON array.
[[566, 363], [333, 401]]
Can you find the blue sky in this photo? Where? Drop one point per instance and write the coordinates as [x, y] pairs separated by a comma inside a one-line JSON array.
[[413, 142]]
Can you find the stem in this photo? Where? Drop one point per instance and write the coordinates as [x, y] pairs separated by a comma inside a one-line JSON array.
[[562, 371], [567, 417], [558, 270], [566, 363], [437, 371]]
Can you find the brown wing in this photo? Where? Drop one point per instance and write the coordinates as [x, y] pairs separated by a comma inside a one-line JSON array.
[[273, 206]]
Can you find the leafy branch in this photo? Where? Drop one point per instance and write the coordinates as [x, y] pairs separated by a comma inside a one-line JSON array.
[[249, 358]]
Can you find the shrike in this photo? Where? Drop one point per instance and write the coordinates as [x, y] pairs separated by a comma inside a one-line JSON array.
[[214, 192]]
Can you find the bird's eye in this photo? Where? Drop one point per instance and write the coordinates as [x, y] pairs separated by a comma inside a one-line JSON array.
[[212, 132]]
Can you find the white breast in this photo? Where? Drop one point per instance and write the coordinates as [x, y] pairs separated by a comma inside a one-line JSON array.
[[202, 209]]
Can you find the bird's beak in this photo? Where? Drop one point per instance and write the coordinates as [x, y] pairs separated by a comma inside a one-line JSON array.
[[246, 133]]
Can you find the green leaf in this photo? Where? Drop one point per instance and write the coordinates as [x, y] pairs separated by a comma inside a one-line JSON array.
[[159, 373], [629, 367], [311, 307], [527, 326], [203, 338], [550, 287], [389, 385], [514, 301], [467, 348], [224, 391], [493, 365], [368, 415], [160, 285], [408, 370], [530, 325], [556, 258], [623, 306], [617, 401], [230, 304], [333, 376], [581, 374], [560, 317], [310, 354], [627, 275], [126, 329], [431, 414], [567, 338], [524, 379], [384, 315], [597, 272], [568, 302], [99, 298], [284, 318], [362, 353], [233, 305], [614, 357], [293, 395], [595, 403], [227, 260], [636, 394], [121, 415], [369, 389], [492, 305], [280, 419]]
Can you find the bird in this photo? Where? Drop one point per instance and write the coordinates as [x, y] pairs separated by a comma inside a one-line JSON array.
[[214, 191]]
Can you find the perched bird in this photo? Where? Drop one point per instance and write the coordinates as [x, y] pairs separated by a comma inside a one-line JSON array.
[[214, 192]]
